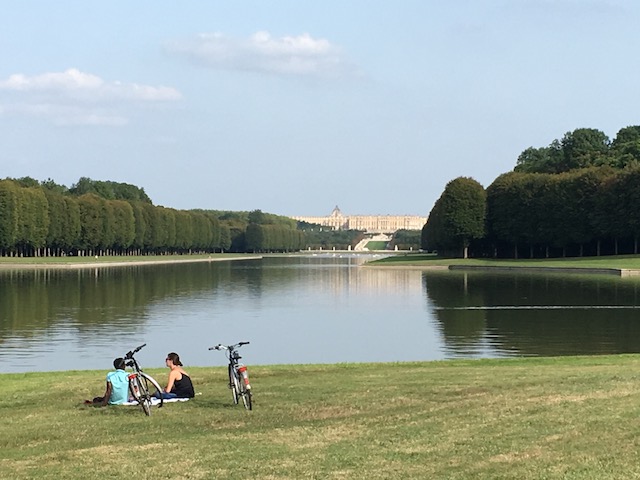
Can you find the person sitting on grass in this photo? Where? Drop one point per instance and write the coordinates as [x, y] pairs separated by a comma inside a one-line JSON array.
[[179, 384], [117, 391]]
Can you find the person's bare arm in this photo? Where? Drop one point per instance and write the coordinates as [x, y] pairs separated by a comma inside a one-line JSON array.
[[172, 379], [107, 395]]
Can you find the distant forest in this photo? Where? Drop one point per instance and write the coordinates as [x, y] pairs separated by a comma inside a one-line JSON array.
[[109, 218], [578, 196]]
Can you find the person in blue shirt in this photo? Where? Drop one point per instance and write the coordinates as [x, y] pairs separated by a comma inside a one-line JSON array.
[[117, 391]]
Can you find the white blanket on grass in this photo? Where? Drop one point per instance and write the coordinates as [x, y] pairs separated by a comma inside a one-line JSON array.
[[156, 401]]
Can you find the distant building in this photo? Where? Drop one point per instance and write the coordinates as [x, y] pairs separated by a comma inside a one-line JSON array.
[[368, 223]]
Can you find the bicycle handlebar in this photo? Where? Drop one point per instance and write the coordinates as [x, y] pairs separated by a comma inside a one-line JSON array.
[[135, 350], [228, 347]]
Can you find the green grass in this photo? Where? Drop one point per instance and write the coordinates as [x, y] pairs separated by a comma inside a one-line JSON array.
[[426, 260], [112, 259], [551, 418], [376, 245]]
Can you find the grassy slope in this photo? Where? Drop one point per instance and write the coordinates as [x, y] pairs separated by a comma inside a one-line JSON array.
[[553, 418]]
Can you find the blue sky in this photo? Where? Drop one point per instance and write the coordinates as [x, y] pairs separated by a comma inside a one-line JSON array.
[[294, 107]]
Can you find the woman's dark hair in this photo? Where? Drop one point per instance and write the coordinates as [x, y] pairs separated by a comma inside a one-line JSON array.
[[118, 363], [175, 358]]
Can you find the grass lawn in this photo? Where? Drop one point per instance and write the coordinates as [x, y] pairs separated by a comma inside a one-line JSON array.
[[376, 245], [114, 259], [551, 418], [426, 260]]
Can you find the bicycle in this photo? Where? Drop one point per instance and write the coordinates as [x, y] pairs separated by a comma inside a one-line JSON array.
[[141, 385], [238, 374]]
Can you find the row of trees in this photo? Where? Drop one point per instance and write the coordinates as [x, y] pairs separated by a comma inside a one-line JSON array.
[[324, 238], [405, 240], [266, 232], [583, 212], [102, 217], [37, 221], [98, 217], [587, 206]]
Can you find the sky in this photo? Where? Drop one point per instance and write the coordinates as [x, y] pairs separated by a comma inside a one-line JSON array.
[[294, 107]]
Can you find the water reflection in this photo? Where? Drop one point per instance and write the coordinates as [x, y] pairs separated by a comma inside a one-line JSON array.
[[294, 310], [534, 314], [305, 309]]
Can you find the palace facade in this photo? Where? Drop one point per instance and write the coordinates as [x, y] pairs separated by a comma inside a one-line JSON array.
[[368, 223]]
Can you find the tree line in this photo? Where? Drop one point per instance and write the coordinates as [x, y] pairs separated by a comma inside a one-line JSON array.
[[578, 196], [95, 217], [110, 218]]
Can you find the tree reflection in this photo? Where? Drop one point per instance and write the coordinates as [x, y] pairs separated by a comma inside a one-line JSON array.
[[534, 314]]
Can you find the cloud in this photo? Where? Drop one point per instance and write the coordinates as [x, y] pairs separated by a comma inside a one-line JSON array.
[[73, 97], [299, 56]]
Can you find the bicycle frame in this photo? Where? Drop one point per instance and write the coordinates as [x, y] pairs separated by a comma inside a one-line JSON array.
[[238, 374], [139, 382]]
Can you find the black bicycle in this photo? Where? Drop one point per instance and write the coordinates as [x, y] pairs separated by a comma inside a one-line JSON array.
[[143, 387], [238, 374]]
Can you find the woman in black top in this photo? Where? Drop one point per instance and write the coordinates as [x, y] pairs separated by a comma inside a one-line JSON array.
[[179, 384]]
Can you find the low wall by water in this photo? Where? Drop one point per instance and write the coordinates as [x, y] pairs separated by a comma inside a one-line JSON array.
[[622, 272]]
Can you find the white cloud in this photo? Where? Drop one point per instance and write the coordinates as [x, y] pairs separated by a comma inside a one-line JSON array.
[[73, 97], [77, 84], [302, 55]]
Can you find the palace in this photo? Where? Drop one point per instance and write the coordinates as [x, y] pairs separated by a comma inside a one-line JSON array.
[[367, 223]]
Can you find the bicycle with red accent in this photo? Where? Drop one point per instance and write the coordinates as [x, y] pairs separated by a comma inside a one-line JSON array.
[[143, 387], [238, 374]]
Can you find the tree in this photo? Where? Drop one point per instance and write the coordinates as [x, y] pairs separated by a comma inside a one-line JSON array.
[[141, 225], [225, 238], [8, 214], [508, 208], [91, 222], [625, 148], [254, 237], [33, 225], [124, 225], [458, 216], [535, 160], [109, 190], [257, 217], [584, 147]]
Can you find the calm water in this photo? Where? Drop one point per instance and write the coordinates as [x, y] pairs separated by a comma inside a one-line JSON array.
[[314, 309]]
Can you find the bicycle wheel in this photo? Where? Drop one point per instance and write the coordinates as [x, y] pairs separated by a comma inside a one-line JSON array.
[[246, 397], [152, 387], [145, 398], [134, 389], [140, 393], [234, 384]]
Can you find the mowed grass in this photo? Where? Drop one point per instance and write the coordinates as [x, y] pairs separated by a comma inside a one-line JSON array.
[[70, 260], [551, 418], [426, 260], [376, 245]]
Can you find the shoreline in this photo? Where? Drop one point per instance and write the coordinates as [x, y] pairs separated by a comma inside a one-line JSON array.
[[621, 272], [518, 360], [132, 263]]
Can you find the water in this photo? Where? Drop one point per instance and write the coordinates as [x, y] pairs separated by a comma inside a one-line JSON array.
[[305, 309]]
